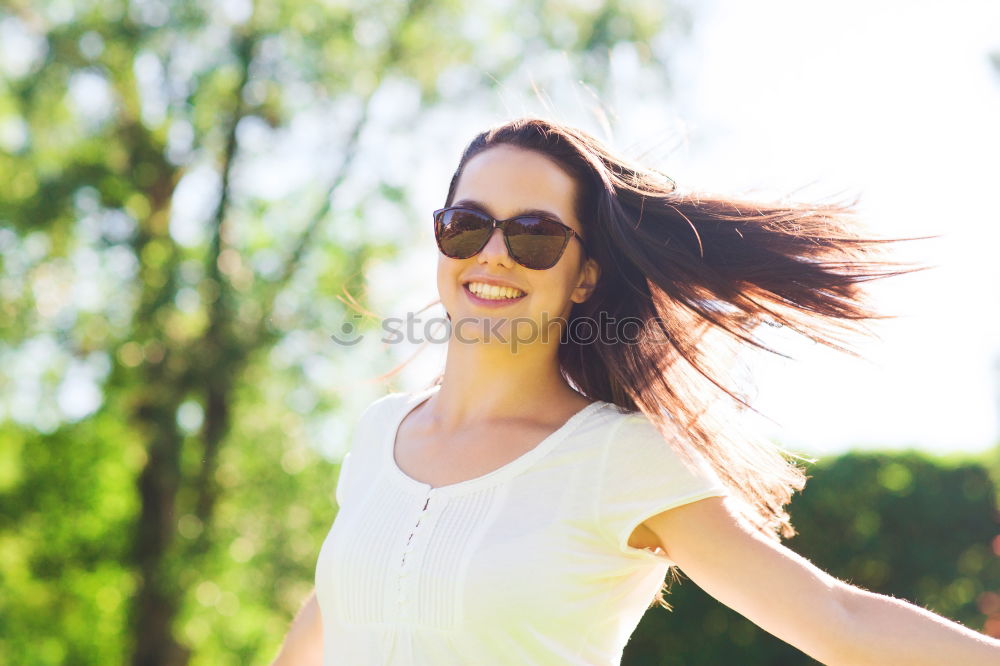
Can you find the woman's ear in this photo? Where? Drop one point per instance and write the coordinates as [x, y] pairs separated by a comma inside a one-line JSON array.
[[589, 275]]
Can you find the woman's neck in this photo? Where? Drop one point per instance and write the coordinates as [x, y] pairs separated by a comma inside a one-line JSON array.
[[485, 381]]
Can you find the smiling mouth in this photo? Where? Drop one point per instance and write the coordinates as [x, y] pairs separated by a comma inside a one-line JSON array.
[[492, 292]]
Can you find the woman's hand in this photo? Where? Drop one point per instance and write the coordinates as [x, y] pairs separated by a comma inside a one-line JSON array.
[[786, 595], [303, 645]]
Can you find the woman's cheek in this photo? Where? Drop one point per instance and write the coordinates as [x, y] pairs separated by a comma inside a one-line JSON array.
[[448, 271]]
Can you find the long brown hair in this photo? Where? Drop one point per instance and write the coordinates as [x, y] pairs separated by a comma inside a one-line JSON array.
[[701, 274]]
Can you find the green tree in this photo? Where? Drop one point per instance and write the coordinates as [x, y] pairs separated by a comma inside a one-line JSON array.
[[187, 187]]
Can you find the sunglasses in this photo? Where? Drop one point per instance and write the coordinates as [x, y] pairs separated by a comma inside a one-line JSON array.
[[534, 242]]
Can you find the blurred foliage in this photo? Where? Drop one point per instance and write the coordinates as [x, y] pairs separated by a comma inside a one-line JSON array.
[[906, 525], [189, 188]]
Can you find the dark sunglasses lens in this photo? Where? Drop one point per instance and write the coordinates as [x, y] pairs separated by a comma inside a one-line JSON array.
[[536, 243], [461, 233]]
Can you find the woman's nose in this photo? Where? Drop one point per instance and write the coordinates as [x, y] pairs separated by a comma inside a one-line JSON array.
[[495, 250]]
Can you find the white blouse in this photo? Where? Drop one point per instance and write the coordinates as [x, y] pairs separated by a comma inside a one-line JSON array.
[[528, 564]]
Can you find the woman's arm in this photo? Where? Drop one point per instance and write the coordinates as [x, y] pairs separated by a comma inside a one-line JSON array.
[[303, 645], [911, 634], [786, 595]]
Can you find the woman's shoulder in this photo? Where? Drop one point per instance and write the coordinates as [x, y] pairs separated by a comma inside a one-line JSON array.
[[382, 404], [380, 410], [643, 446], [625, 424], [376, 419], [638, 423]]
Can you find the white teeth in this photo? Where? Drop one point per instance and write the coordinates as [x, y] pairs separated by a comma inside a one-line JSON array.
[[493, 292]]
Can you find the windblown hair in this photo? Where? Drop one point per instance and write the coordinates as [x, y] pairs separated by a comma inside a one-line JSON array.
[[700, 273]]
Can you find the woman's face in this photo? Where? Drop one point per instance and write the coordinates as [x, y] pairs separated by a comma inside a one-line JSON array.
[[503, 181]]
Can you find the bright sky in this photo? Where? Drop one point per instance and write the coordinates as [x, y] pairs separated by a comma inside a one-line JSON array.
[[895, 101], [898, 102]]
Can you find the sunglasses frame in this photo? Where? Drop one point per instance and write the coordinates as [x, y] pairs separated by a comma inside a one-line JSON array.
[[502, 225]]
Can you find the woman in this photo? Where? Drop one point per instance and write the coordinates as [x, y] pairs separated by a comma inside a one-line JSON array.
[[526, 508]]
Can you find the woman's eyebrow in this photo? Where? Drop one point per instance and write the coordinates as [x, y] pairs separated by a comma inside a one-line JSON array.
[[471, 203]]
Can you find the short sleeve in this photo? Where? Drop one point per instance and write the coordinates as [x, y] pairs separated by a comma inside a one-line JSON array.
[[642, 476]]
